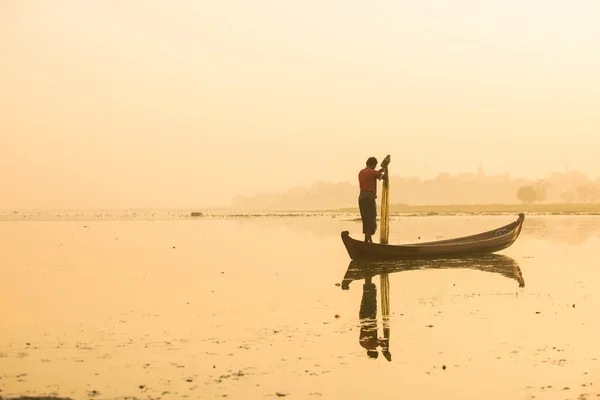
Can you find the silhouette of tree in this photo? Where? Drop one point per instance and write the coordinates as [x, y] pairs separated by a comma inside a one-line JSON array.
[[567, 197], [594, 192], [584, 193], [540, 190], [527, 194]]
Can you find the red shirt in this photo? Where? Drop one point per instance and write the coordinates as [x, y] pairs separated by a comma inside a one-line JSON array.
[[367, 179]]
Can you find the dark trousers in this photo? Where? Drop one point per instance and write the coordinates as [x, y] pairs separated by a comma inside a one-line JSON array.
[[368, 212]]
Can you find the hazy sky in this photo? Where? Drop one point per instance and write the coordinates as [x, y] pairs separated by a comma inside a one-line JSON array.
[[187, 103]]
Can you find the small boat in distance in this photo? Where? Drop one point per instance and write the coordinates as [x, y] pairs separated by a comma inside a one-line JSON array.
[[481, 243]]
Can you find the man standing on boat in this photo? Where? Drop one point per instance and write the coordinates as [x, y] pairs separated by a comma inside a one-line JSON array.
[[367, 179]]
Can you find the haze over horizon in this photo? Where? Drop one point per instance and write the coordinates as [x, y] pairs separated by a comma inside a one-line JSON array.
[[182, 104]]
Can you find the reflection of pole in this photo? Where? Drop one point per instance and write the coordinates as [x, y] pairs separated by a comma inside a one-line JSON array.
[[385, 295], [385, 316]]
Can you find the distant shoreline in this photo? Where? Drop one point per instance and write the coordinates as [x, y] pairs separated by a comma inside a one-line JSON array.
[[397, 210]]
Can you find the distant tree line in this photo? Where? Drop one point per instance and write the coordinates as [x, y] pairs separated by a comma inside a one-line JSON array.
[[444, 189], [530, 194]]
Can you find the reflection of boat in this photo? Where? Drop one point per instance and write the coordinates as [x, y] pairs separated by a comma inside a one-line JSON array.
[[357, 270], [495, 263], [481, 243]]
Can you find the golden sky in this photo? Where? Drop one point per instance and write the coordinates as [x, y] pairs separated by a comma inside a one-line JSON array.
[[187, 103]]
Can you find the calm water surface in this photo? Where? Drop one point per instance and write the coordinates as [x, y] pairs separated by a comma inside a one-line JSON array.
[[255, 308]]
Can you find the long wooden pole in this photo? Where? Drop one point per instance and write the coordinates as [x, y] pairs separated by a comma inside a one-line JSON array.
[[383, 238]]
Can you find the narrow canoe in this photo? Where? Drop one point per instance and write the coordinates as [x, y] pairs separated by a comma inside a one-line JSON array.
[[481, 243]]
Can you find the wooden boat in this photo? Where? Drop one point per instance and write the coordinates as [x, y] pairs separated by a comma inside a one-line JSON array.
[[493, 263], [481, 243]]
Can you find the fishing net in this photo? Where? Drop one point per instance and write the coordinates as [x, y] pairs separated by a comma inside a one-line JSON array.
[[384, 230]]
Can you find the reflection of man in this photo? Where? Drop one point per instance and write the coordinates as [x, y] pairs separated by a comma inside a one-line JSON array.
[[368, 318], [368, 323]]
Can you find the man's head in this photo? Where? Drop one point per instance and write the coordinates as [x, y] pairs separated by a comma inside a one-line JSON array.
[[371, 162]]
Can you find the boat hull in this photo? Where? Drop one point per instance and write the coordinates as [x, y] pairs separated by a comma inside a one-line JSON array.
[[482, 243]]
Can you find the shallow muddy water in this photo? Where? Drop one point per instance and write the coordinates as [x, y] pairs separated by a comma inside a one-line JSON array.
[[255, 308]]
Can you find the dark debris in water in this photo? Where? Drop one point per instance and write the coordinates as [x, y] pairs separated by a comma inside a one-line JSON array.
[[37, 398], [234, 376]]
